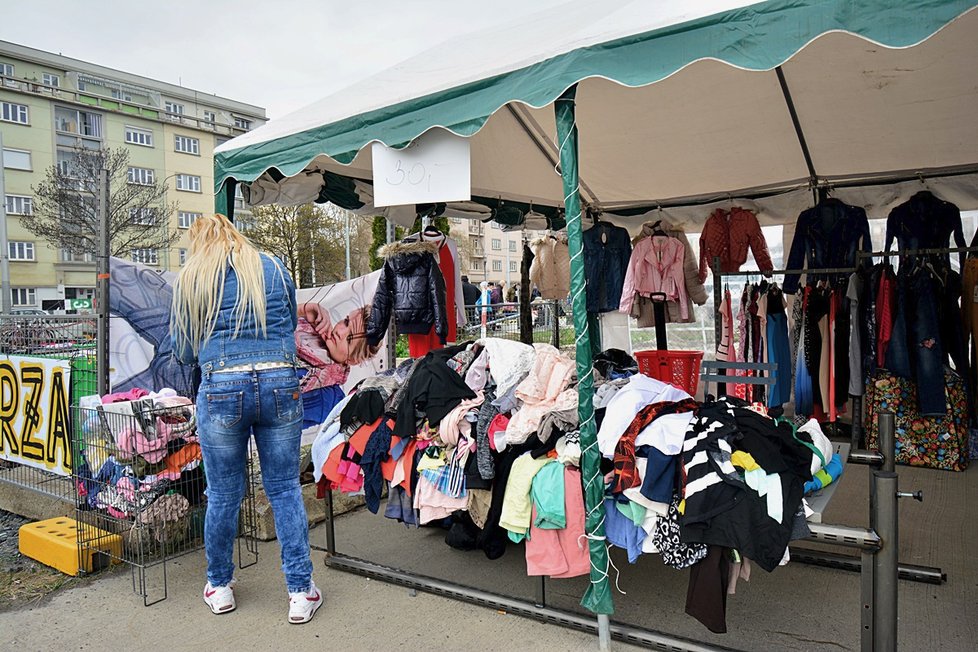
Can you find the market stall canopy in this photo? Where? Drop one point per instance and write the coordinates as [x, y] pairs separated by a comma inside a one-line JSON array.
[[677, 104]]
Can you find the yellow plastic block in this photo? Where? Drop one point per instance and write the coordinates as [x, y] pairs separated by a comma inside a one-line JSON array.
[[54, 543]]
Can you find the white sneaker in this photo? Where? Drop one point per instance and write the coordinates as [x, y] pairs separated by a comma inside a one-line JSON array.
[[220, 598], [303, 605]]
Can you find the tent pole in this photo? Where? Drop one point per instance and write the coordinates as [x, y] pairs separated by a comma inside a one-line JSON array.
[[597, 598]]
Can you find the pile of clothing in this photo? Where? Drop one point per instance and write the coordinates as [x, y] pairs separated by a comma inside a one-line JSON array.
[[140, 459], [480, 439], [714, 487]]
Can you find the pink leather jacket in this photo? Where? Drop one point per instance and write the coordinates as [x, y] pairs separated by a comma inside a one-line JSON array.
[[656, 265]]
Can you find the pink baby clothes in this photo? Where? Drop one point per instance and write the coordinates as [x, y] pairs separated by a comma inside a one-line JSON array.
[[561, 553], [122, 397], [433, 504]]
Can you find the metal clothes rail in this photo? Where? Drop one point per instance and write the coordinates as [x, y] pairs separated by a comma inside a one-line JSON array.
[[878, 566]]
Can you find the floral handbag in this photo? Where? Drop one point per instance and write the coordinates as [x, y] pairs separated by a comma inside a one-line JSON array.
[[934, 442]]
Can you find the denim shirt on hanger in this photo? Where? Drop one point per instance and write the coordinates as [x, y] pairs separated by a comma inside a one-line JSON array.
[[828, 235], [607, 249]]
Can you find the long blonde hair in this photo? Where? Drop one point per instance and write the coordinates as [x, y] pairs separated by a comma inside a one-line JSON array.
[[215, 245]]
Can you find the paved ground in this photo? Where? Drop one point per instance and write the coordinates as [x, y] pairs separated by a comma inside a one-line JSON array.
[[795, 608], [359, 614]]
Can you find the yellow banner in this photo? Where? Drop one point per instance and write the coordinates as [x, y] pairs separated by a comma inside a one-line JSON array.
[[34, 416]]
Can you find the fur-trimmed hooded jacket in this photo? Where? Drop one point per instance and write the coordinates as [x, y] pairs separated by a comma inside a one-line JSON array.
[[412, 287]]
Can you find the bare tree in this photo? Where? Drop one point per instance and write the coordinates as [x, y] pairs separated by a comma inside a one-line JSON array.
[[306, 238], [66, 212]]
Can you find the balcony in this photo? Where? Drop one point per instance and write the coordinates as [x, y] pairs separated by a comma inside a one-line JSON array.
[[476, 228], [479, 252]]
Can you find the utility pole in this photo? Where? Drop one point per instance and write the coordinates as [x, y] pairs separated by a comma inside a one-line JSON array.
[[102, 285], [5, 301], [348, 275]]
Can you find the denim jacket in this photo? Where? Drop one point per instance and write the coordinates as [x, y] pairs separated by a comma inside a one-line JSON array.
[[607, 249], [222, 348]]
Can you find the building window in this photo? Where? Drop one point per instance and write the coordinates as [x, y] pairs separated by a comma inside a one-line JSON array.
[[82, 123], [186, 144], [142, 176], [49, 79], [475, 266], [137, 136], [512, 245], [68, 256], [188, 182], [497, 265], [17, 159], [119, 94], [20, 250], [497, 244], [19, 205], [242, 123], [185, 219], [143, 216], [20, 297], [182, 253], [210, 117], [6, 69], [10, 112], [494, 225], [174, 110], [512, 266], [145, 256]]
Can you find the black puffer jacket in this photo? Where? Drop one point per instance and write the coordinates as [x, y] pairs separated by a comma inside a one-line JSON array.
[[412, 286]]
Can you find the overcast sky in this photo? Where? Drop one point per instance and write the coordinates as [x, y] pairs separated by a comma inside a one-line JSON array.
[[280, 55]]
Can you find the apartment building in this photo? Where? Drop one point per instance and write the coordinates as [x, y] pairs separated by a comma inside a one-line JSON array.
[[51, 106], [488, 252]]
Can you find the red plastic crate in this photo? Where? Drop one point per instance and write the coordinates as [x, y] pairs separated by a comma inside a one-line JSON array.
[[678, 368]]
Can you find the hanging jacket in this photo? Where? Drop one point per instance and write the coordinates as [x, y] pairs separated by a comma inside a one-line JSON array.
[[827, 235], [607, 250], [727, 236], [550, 270], [412, 287], [925, 222], [656, 265]]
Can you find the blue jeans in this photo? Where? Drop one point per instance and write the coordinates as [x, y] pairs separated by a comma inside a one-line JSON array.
[[231, 407]]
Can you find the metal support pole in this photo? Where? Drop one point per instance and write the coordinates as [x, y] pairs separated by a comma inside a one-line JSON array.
[[884, 520], [102, 285], [526, 311], [717, 300], [555, 322], [7, 298], [867, 590], [887, 441], [541, 600], [348, 275], [604, 633], [391, 331], [886, 571], [330, 524]]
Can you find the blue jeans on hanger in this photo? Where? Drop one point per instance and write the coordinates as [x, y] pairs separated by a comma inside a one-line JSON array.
[[925, 338], [231, 407]]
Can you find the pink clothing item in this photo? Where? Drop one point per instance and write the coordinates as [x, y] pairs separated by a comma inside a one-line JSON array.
[[498, 424], [454, 427], [433, 504], [561, 553], [656, 265], [122, 397], [543, 391], [133, 441]]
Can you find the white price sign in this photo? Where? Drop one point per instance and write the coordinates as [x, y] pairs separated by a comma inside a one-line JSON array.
[[433, 168]]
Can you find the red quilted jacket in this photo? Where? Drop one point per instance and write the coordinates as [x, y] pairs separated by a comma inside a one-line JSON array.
[[728, 234]]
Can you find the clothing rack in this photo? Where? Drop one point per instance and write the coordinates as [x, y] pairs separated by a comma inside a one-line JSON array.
[[916, 252], [856, 430]]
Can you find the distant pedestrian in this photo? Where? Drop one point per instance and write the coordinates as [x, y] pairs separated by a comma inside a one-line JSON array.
[[470, 291]]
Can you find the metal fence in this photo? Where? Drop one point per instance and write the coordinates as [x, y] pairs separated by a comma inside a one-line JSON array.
[[64, 337], [552, 322]]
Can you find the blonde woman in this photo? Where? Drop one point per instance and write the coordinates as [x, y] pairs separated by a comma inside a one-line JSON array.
[[234, 314]]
